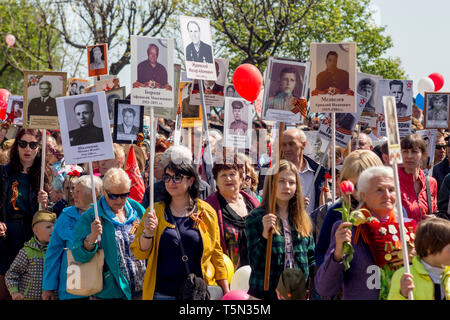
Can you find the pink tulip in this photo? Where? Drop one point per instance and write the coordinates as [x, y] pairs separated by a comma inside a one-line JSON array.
[[346, 187]]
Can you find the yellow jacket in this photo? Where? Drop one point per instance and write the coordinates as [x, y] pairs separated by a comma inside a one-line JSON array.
[[212, 263], [423, 285]]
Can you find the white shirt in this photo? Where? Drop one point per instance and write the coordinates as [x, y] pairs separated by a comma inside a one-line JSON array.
[[435, 274], [127, 130], [307, 177]]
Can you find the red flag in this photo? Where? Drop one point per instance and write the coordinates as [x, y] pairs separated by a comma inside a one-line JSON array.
[[137, 183]]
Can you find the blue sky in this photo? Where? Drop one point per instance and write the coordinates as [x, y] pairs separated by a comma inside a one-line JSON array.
[[419, 30]]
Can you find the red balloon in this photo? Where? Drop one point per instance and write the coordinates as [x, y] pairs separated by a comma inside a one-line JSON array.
[[236, 295], [438, 80], [247, 81], [4, 97]]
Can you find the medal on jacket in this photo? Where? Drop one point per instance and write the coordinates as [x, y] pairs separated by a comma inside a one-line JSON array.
[[15, 194], [388, 250]]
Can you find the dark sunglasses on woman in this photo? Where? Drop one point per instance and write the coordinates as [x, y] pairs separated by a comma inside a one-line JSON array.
[[23, 144], [115, 196]]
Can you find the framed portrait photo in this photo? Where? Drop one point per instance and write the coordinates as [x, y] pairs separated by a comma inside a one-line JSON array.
[[77, 86], [286, 81], [392, 130], [436, 110], [237, 123], [128, 121], [191, 114], [15, 105], [41, 88], [111, 97], [97, 59], [85, 130], [198, 48]]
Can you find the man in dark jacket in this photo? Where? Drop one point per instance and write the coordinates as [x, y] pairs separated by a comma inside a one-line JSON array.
[[441, 169]]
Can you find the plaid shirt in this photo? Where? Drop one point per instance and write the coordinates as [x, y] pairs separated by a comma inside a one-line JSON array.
[[303, 254]]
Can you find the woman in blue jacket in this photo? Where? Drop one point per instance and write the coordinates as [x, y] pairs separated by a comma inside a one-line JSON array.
[[55, 265], [119, 217]]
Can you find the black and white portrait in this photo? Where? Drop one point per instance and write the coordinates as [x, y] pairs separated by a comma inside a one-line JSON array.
[[396, 90], [41, 90], [391, 120], [77, 86], [231, 92], [198, 51], [333, 76], [15, 105], [111, 97], [437, 110], [345, 122], [237, 122], [85, 130], [286, 82], [97, 60], [128, 121], [367, 86]]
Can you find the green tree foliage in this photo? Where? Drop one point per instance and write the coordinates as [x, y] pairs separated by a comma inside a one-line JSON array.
[[36, 47], [250, 31]]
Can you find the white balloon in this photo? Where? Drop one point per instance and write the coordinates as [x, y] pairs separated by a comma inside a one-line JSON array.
[[240, 279], [425, 85]]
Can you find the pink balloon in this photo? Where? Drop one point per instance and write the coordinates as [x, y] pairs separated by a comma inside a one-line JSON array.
[[10, 40], [438, 80], [236, 295]]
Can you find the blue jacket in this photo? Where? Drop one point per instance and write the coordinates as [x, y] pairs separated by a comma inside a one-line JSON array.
[[115, 284], [55, 265]]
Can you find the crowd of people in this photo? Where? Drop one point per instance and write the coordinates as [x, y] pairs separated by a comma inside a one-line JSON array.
[[193, 228]]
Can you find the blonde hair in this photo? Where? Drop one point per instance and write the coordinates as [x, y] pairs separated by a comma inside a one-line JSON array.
[[248, 168], [116, 176], [85, 182], [297, 210], [358, 161]]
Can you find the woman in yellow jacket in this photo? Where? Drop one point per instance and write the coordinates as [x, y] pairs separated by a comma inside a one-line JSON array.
[[157, 240]]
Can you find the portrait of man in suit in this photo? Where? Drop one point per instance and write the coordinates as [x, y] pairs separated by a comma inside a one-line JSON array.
[[127, 126], [45, 105], [197, 50], [87, 132]]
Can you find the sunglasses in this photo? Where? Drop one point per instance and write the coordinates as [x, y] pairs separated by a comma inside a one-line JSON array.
[[176, 179], [23, 144], [115, 196], [440, 146]]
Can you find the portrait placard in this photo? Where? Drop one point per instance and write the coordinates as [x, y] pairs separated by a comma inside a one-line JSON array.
[[152, 74], [392, 129], [198, 49], [128, 121], [367, 86], [85, 129], [191, 114], [97, 59], [333, 77], [436, 110], [286, 81], [430, 137], [76, 86], [39, 104], [237, 123], [169, 113], [345, 124], [111, 96], [15, 105], [316, 146], [402, 91]]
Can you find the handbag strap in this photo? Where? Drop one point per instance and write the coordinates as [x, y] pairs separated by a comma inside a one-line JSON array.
[[427, 184], [184, 256]]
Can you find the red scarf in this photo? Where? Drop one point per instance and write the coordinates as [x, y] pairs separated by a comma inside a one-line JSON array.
[[384, 237]]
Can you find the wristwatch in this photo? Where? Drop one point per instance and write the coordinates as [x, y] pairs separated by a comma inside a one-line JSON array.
[[91, 243], [145, 235]]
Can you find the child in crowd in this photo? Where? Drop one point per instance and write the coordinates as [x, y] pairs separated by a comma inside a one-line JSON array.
[[24, 277], [430, 270]]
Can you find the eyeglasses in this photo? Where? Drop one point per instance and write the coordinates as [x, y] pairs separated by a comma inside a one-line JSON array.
[[248, 178], [176, 179], [115, 196], [23, 144], [440, 146]]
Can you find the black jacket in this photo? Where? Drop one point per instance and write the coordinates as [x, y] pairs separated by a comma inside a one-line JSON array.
[[440, 170]]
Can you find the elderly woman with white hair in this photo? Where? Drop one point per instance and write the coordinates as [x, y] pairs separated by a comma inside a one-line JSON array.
[[55, 266], [119, 217], [375, 239], [180, 222]]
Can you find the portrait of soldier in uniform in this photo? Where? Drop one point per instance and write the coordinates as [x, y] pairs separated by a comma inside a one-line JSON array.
[[87, 132], [332, 76], [45, 105], [437, 109], [197, 50], [238, 126], [366, 88]]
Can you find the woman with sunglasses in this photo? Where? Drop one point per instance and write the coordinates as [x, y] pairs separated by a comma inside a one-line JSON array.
[[119, 217], [157, 239], [232, 205], [20, 197]]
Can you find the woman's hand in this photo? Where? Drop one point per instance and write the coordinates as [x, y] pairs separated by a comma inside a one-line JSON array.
[[96, 230], [17, 296], [268, 221], [150, 224], [406, 284], [2, 229], [48, 295], [43, 198], [343, 234]]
